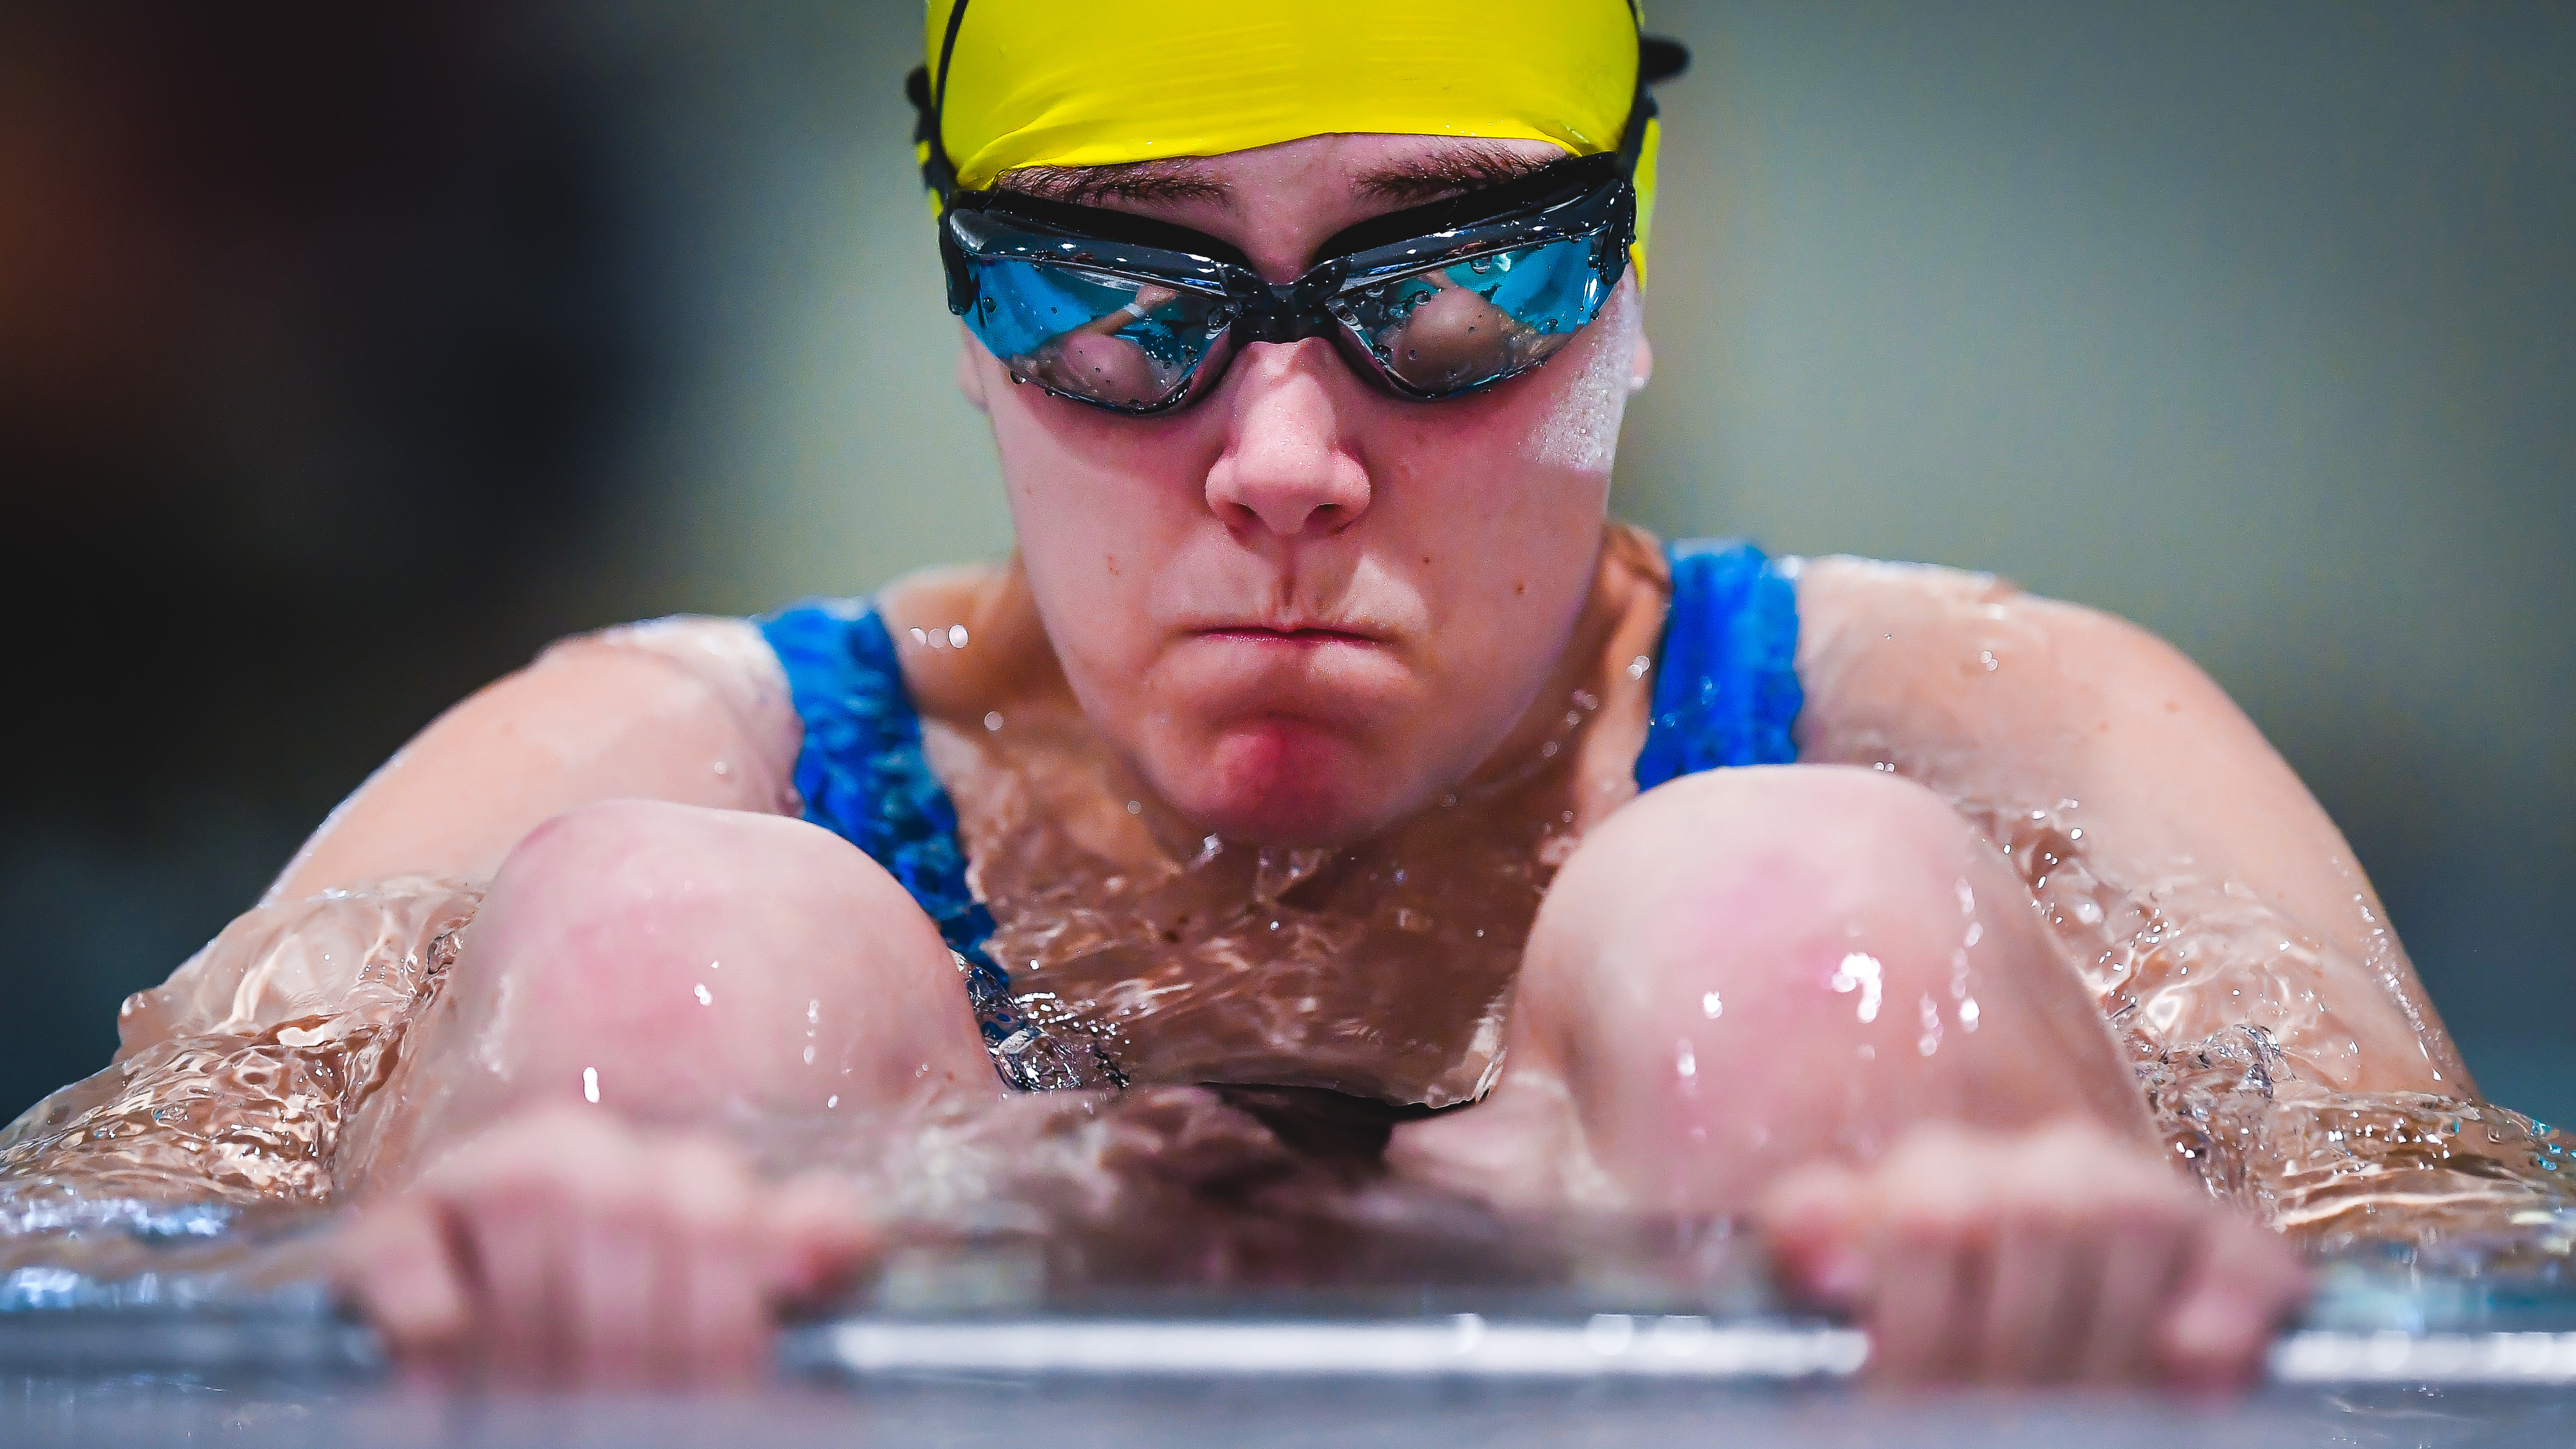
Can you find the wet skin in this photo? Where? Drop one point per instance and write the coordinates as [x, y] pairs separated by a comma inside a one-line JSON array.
[[1304, 613]]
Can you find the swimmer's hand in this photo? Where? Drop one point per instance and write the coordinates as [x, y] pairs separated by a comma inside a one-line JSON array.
[[2055, 1256], [567, 1247]]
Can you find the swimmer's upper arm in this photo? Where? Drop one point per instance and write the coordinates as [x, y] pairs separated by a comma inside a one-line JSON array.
[[692, 711], [2009, 703]]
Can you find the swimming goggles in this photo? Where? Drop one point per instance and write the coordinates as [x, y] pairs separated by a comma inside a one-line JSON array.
[[1142, 317]]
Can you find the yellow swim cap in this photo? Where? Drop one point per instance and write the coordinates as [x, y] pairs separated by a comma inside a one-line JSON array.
[[1101, 82]]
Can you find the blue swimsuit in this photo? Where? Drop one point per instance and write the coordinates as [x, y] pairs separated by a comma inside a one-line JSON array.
[[1726, 693]]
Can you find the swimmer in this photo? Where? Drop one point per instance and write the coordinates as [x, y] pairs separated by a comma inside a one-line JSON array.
[[1323, 735]]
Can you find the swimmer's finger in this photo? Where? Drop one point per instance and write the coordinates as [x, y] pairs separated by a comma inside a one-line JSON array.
[[1812, 1217], [1931, 1256], [397, 1269], [2041, 1289], [2064, 1184], [518, 1237], [1930, 1290], [2140, 1259], [708, 1297], [2240, 1283], [610, 1268], [718, 1307], [819, 1236]]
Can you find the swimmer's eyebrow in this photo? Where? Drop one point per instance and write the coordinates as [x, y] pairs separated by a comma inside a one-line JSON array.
[[1135, 182], [1468, 167], [1409, 182]]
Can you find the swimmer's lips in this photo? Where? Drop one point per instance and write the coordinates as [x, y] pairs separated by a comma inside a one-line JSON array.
[[1251, 634], [1336, 677]]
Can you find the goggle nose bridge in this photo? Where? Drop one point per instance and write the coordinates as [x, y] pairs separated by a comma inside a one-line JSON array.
[[1293, 313]]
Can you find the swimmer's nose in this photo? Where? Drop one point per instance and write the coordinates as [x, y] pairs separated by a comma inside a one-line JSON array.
[[1286, 468]]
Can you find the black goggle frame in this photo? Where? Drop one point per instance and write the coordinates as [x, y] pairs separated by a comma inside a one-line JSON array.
[[1585, 198]]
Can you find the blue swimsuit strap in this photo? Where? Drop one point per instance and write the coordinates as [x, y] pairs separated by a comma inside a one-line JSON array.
[[1726, 677], [1726, 693], [864, 778]]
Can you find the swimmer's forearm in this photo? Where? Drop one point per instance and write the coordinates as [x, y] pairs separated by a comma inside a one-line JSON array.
[[597, 719]]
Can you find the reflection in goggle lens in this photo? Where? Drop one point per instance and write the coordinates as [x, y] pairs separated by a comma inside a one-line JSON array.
[[1451, 328], [1094, 335]]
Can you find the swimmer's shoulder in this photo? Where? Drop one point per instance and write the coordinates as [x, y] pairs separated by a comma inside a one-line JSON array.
[[1888, 651], [701, 663], [970, 640], [690, 711]]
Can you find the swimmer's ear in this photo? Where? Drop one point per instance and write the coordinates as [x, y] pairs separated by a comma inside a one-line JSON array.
[[970, 378]]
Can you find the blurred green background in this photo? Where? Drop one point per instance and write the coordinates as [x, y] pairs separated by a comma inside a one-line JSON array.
[[347, 357]]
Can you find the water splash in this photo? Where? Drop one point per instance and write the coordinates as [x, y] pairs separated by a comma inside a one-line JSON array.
[[1190, 958], [236, 1078]]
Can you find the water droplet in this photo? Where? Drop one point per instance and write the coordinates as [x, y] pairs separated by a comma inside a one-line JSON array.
[[920, 637], [1135, 807], [993, 721], [705, 997], [1860, 971], [1711, 1006], [1638, 666], [832, 1101], [956, 636], [590, 1084]]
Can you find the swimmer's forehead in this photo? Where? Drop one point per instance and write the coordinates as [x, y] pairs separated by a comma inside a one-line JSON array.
[[1091, 83]]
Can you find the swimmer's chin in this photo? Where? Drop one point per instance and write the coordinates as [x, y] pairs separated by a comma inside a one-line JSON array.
[[1285, 782]]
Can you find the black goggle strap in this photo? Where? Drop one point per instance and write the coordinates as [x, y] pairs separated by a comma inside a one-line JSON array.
[[929, 97]]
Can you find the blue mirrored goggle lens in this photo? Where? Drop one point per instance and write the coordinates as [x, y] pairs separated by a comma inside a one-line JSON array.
[[1454, 328], [1094, 335]]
